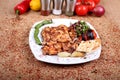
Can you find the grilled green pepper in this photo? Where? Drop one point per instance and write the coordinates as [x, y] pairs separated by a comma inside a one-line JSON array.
[[36, 36], [43, 23], [36, 32]]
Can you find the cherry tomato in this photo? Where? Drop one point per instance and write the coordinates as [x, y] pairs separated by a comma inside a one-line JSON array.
[[78, 2], [94, 34], [81, 10], [96, 1], [90, 3]]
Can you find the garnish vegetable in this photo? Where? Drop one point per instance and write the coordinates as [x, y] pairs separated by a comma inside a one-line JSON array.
[[37, 30], [22, 7]]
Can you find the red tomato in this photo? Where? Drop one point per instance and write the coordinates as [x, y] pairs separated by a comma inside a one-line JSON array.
[[78, 2], [81, 10], [94, 34], [96, 1], [90, 4]]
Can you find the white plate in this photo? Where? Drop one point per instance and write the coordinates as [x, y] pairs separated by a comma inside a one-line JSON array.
[[37, 52]]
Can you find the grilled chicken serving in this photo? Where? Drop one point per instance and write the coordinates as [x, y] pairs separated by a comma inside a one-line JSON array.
[[58, 39]]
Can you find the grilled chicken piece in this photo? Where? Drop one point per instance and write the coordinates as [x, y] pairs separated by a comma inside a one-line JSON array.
[[72, 32], [58, 39], [57, 34], [45, 34], [49, 50]]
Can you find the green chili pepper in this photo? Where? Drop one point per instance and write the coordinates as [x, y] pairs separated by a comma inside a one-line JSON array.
[[43, 23], [37, 30], [36, 36]]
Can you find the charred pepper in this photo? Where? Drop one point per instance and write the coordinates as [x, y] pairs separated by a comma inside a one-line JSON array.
[[37, 30]]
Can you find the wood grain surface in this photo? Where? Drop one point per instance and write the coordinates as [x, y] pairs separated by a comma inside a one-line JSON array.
[[18, 63]]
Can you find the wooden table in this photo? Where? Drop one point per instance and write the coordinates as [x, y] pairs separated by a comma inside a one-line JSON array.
[[17, 61]]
